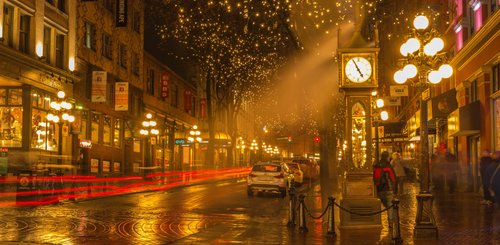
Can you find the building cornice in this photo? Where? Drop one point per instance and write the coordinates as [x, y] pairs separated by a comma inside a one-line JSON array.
[[482, 39]]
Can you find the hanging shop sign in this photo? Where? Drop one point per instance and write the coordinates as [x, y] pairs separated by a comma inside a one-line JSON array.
[[85, 143], [392, 101], [121, 96], [121, 13], [99, 80], [165, 78], [399, 90]]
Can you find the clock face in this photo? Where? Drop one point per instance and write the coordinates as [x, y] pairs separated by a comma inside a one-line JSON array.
[[358, 69]]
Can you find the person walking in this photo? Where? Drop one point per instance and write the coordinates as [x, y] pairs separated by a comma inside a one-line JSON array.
[[494, 185], [484, 164], [452, 171], [385, 180], [399, 170]]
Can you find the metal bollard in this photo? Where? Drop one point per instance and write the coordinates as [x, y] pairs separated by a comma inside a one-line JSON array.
[[291, 205], [331, 217], [396, 233], [302, 214]]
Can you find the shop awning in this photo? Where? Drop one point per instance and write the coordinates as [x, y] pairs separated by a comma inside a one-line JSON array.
[[465, 120]]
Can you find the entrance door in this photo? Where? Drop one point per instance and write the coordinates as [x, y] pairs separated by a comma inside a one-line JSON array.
[[474, 156]]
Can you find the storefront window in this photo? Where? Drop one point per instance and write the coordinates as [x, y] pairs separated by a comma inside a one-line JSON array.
[[15, 96], [43, 132], [96, 119], [3, 96], [117, 141], [106, 131], [11, 117], [83, 132]]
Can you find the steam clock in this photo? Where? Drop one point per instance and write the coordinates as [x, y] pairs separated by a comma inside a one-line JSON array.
[[358, 78]]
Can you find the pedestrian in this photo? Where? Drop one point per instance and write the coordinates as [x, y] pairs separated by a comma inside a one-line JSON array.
[[451, 171], [484, 164], [399, 170], [438, 168], [494, 185], [385, 180]]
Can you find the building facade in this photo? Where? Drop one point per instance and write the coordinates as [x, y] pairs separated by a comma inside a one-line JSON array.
[[37, 57]]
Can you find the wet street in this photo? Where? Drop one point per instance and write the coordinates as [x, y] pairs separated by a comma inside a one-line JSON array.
[[221, 212]]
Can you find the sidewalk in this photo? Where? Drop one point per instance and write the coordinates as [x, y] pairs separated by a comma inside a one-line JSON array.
[[460, 218]]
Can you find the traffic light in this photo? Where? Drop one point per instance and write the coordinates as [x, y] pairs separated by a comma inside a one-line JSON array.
[[289, 138], [316, 139]]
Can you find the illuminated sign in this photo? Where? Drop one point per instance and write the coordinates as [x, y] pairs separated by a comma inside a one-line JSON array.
[[180, 141], [85, 143]]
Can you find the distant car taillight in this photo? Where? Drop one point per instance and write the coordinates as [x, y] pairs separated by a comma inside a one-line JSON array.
[[280, 176], [252, 175]]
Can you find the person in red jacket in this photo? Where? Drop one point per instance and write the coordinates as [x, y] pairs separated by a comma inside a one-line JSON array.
[[385, 181]]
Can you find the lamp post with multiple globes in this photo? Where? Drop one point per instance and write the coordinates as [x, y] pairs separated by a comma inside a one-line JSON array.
[[150, 134], [61, 115], [194, 138], [379, 114], [422, 54]]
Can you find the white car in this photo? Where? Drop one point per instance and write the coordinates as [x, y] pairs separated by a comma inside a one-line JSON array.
[[269, 177], [297, 172]]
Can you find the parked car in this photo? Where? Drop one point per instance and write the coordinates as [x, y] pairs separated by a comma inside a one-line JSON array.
[[309, 167], [269, 177], [298, 175]]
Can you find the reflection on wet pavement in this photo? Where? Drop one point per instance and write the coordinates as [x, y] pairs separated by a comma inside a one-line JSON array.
[[222, 213]]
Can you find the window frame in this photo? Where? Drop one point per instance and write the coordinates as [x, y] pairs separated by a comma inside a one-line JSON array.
[[90, 35], [24, 34], [122, 55], [60, 51], [107, 46]]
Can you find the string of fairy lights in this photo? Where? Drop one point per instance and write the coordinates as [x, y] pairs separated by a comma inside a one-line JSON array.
[[246, 41]]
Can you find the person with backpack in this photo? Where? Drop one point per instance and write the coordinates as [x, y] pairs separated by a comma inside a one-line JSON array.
[[385, 181]]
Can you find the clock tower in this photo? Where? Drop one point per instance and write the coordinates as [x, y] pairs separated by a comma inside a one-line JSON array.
[[358, 71]]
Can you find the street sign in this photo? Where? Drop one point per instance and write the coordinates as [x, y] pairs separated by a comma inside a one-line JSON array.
[[180, 141]]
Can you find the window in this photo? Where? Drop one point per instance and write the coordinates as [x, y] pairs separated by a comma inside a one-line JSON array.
[[109, 5], [135, 63], [8, 13], [496, 78], [107, 50], [90, 35], [175, 95], [150, 86], [96, 121], [83, 132], [61, 5], [24, 34], [11, 117], [60, 50], [122, 55], [473, 93], [136, 21], [44, 134], [493, 6], [106, 131], [47, 32], [117, 141]]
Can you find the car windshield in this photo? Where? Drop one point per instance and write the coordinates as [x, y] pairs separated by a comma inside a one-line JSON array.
[[293, 166], [266, 168]]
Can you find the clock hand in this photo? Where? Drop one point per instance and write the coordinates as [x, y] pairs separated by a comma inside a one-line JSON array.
[[357, 68]]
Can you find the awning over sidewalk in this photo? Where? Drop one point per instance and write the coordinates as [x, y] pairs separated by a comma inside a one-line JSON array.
[[465, 120]]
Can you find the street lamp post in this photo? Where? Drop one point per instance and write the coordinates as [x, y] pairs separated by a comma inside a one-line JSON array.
[[149, 131], [194, 138], [254, 146], [61, 114], [423, 59], [379, 115]]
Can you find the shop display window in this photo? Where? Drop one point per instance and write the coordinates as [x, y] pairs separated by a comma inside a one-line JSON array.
[[11, 117], [117, 141], [44, 133], [106, 131], [96, 119]]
